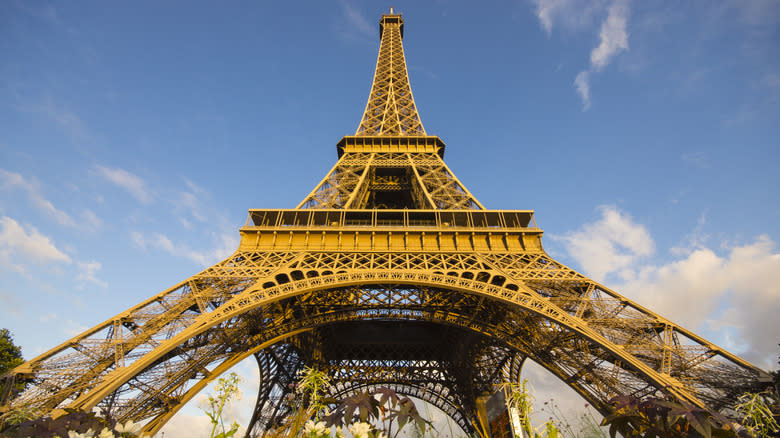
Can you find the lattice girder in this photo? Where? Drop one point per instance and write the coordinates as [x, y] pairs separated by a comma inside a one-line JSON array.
[[596, 341], [390, 109], [352, 181], [430, 372]]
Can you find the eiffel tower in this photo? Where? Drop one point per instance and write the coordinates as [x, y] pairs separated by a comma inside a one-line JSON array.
[[388, 273]]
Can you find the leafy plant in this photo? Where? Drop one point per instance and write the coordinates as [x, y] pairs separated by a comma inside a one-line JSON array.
[[313, 384], [10, 354], [520, 398], [307, 401], [73, 422], [756, 414], [226, 390], [14, 417], [382, 405], [654, 417]]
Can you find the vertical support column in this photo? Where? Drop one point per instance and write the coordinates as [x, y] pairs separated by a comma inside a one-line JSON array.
[[482, 414], [119, 351], [666, 362]]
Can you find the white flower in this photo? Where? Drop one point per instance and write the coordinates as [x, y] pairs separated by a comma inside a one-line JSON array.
[[381, 435], [129, 427], [317, 428], [106, 433], [88, 434], [360, 429]]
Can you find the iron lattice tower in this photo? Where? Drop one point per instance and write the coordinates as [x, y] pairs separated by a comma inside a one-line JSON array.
[[388, 273]]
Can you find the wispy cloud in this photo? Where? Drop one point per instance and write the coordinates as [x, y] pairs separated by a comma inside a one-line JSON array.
[[582, 83], [88, 273], [130, 182], [190, 202], [19, 243], [65, 119], [91, 219], [569, 14], [356, 21], [613, 36], [12, 180], [613, 40], [573, 14], [224, 245]]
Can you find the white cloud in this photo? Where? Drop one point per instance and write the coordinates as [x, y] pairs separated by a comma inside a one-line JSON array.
[[613, 40], [732, 293], [225, 244], [569, 14], [17, 241], [694, 291], [88, 271], [190, 202], [583, 88], [573, 14], [14, 180], [611, 244], [613, 34], [127, 181]]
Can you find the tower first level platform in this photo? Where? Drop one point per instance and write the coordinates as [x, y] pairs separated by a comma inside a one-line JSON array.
[[391, 230]]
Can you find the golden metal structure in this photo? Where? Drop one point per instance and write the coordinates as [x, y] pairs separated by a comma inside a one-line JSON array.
[[388, 273]]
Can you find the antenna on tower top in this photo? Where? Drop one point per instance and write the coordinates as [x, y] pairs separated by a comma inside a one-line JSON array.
[[391, 10]]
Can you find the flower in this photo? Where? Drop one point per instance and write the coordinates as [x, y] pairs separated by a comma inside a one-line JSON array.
[[88, 434], [360, 429], [106, 433], [129, 427], [317, 428]]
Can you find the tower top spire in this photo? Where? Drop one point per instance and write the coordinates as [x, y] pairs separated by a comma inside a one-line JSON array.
[[390, 110]]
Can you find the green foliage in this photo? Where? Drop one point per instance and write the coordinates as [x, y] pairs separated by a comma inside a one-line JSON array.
[[313, 384], [757, 415], [17, 416], [652, 417], [519, 396], [225, 391], [10, 354]]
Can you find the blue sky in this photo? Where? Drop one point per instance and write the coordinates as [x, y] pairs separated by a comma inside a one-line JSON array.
[[134, 136]]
